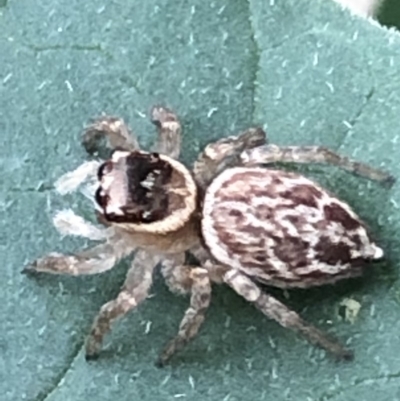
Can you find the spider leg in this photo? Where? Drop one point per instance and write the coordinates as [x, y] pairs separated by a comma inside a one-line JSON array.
[[313, 154], [184, 278], [225, 153], [133, 292], [200, 253], [112, 128], [279, 312], [91, 261], [169, 131]]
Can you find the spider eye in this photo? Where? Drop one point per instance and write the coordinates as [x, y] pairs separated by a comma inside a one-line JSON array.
[[104, 169], [100, 171], [99, 198]]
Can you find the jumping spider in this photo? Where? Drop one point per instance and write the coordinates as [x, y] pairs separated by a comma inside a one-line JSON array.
[[244, 224]]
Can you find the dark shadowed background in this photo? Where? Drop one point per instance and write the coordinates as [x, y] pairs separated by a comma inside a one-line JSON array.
[[389, 13]]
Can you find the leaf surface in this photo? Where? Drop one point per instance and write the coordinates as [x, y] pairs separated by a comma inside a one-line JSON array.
[[308, 72]]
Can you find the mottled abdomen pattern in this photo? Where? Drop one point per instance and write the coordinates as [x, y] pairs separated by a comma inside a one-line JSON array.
[[283, 229]]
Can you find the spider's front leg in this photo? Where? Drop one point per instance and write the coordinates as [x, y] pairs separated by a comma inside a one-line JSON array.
[[133, 292], [313, 154], [91, 261], [169, 131], [279, 312], [224, 153], [114, 130], [183, 278]]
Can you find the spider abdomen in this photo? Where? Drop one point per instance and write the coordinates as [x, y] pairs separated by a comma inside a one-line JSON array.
[[283, 229]]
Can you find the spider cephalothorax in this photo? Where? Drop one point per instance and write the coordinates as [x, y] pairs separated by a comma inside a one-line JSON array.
[[146, 192], [243, 222]]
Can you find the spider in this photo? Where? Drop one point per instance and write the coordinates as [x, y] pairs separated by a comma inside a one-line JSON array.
[[244, 224]]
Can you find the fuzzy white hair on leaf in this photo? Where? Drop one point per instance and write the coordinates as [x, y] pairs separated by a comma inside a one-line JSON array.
[[69, 223]]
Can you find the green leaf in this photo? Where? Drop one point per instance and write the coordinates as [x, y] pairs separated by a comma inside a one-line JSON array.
[[306, 70]]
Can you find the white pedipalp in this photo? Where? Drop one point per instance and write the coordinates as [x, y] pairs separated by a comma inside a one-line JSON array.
[[69, 223], [72, 180]]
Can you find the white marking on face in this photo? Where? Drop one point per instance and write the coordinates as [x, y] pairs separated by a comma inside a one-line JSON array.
[[106, 182], [148, 182], [119, 154], [113, 208]]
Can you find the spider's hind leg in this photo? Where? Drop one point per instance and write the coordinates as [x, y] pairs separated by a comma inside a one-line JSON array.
[[279, 312], [313, 154]]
